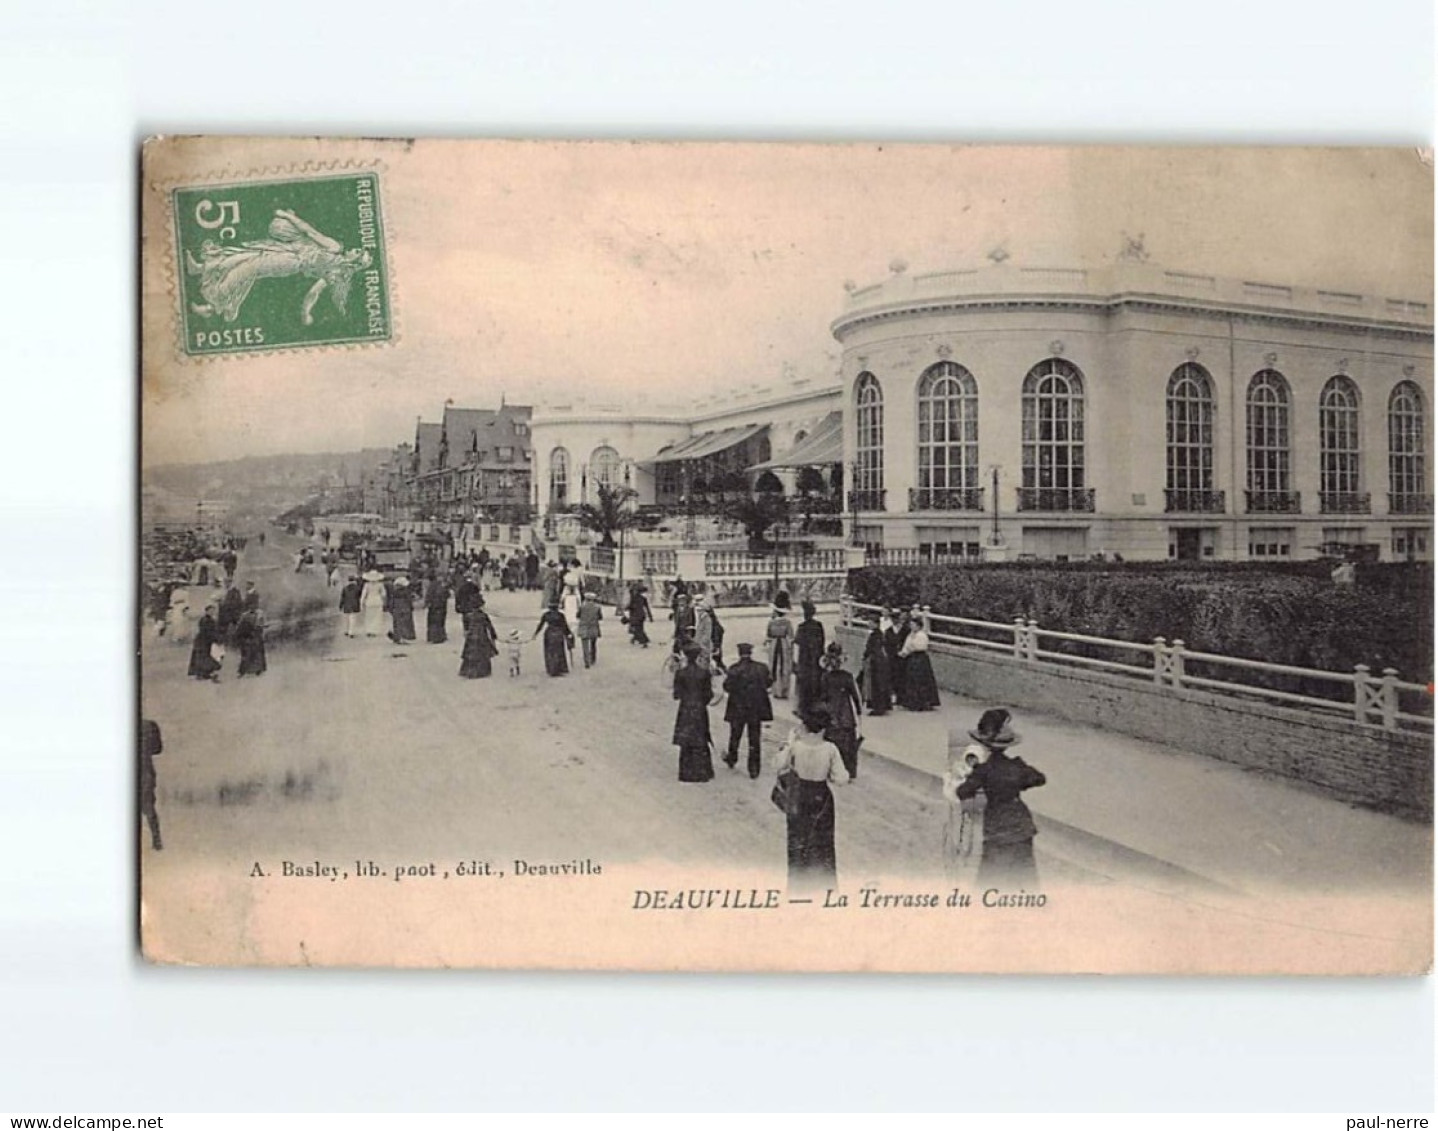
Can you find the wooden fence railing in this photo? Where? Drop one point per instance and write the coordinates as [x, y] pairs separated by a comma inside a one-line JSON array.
[[1367, 698]]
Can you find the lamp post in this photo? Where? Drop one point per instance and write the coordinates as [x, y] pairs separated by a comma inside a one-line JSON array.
[[853, 506], [691, 533], [995, 538]]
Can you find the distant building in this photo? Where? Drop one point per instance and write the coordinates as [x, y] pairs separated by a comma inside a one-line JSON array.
[[473, 464], [720, 448]]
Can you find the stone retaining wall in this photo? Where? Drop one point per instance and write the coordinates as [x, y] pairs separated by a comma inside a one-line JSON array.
[[1388, 770]]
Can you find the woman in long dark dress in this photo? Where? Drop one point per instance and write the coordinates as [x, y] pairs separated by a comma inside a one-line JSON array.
[[878, 680], [558, 640], [840, 696], [921, 691], [816, 764], [1007, 861], [203, 664], [250, 638], [809, 649], [637, 614], [480, 644], [694, 688], [894, 637], [401, 611], [436, 603]]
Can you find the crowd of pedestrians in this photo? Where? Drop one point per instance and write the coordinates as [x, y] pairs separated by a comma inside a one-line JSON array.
[[988, 833]]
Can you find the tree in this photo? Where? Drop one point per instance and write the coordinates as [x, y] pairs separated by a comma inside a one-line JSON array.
[[756, 514], [811, 489], [609, 514]]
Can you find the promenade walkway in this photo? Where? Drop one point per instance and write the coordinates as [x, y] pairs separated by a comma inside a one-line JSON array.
[[1158, 806]]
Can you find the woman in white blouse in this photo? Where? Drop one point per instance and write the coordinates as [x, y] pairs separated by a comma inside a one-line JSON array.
[[813, 764]]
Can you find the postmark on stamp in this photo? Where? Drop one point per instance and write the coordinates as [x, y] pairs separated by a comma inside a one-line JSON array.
[[282, 264]]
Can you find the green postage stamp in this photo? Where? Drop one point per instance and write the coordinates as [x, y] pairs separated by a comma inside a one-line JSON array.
[[270, 265]]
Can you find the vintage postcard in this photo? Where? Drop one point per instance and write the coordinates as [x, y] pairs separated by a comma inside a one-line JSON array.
[[759, 557]]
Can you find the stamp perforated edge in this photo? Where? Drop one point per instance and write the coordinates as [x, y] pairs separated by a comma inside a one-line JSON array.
[[268, 174]]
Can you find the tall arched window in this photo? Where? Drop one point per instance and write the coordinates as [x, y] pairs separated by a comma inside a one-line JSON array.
[[1338, 449], [1407, 475], [869, 448], [559, 478], [604, 470], [948, 440], [1269, 488], [1190, 441], [1053, 439]]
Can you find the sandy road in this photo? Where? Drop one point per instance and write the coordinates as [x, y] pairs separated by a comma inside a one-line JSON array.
[[362, 748]]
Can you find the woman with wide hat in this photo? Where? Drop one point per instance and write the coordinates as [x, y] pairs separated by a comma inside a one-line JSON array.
[[1008, 852], [372, 602], [808, 765]]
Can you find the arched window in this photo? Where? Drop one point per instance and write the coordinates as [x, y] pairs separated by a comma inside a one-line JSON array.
[[948, 439], [1190, 441], [1339, 449], [1053, 439], [559, 478], [1407, 475], [604, 470], [1268, 478], [869, 448]]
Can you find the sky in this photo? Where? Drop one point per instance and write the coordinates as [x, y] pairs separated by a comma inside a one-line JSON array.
[[654, 273]]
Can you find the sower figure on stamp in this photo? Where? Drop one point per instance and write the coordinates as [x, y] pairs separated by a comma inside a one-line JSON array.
[[228, 273], [747, 685]]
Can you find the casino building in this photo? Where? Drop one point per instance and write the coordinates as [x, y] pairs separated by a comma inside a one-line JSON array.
[[1017, 411]]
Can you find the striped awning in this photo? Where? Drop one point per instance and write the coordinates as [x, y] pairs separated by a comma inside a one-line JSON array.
[[824, 445], [705, 444]]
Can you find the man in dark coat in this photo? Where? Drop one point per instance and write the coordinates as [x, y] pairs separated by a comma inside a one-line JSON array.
[[350, 604], [809, 641], [531, 570], [467, 598], [747, 685]]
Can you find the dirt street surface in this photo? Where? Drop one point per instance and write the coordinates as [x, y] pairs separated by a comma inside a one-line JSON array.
[[363, 754], [347, 742]]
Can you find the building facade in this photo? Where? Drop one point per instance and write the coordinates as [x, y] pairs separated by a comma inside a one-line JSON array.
[[1136, 412], [473, 464], [671, 457]]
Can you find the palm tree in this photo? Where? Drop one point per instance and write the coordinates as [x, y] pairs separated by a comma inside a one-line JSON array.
[[609, 514], [756, 514]]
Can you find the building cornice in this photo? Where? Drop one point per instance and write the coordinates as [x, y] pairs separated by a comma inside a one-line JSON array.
[[1135, 286], [1166, 304]]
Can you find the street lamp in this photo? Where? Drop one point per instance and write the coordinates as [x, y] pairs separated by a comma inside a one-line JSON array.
[[853, 504], [995, 538]]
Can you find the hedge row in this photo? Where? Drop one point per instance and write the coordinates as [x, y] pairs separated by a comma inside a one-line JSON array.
[[1288, 615]]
